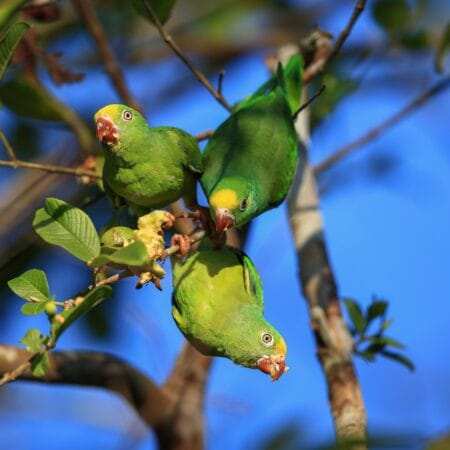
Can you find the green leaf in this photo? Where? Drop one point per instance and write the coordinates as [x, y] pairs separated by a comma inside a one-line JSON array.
[[366, 355], [415, 40], [27, 98], [134, 254], [40, 365], [392, 15], [386, 324], [60, 223], [401, 359], [337, 89], [386, 341], [7, 10], [161, 8], [32, 309], [31, 285], [442, 49], [356, 315], [9, 43], [33, 340], [376, 309], [92, 299]]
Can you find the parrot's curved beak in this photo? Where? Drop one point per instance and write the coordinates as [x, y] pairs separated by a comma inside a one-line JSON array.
[[274, 365], [224, 220], [107, 132]]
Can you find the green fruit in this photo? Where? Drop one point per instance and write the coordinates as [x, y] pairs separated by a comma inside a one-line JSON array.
[[51, 308]]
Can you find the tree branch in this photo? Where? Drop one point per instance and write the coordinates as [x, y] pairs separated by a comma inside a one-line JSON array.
[[187, 62], [98, 370], [333, 341], [112, 66], [319, 64], [377, 131], [76, 171]]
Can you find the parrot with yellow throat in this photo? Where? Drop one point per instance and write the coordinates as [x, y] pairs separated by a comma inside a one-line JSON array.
[[218, 306], [251, 159]]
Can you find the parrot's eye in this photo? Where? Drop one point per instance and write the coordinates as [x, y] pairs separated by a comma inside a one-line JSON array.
[[127, 115], [243, 205], [267, 339]]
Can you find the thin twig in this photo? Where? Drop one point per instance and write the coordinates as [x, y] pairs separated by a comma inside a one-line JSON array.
[[187, 62], [204, 135], [308, 102], [319, 65], [375, 132], [8, 147], [220, 82], [112, 66], [17, 372], [17, 163]]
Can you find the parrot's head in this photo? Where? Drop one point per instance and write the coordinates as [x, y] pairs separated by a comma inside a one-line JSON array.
[[117, 124], [233, 202], [257, 344]]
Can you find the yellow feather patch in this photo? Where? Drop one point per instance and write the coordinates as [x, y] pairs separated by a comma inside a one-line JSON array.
[[224, 198], [281, 347], [112, 111]]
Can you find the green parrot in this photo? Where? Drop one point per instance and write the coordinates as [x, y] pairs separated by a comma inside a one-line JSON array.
[[147, 167], [218, 306], [250, 161]]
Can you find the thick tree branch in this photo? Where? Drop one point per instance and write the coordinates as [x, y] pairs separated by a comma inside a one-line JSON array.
[[112, 66], [333, 341], [186, 61], [377, 131], [97, 370]]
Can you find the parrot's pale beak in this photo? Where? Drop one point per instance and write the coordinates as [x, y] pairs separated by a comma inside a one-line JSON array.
[[107, 132], [274, 365], [224, 220]]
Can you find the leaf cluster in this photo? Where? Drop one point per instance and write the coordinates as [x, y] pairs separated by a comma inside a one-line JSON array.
[[368, 328]]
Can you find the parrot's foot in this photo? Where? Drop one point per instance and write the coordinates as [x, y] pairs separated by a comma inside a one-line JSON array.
[[169, 221], [201, 215], [183, 242]]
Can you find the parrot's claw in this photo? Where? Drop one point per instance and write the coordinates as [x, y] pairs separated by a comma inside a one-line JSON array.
[[183, 242], [169, 221], [201, 215]]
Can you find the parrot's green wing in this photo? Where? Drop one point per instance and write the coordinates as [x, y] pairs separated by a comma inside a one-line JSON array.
[[252, 280], [254, 142], [189, 146], [288, 77]]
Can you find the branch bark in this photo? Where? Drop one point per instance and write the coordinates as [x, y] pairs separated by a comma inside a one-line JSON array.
[[112, 66], [97, 370], [333, 341]]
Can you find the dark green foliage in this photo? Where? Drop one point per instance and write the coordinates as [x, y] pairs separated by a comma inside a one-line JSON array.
[[392, 15], [8, 44], [162, 9], [369, 345]]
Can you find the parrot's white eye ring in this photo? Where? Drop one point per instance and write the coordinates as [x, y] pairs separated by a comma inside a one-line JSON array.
[[267, 339], [243, 205], [127, 115]]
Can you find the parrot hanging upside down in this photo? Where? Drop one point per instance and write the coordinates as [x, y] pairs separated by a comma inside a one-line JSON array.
[[250, 161], [218, 306]]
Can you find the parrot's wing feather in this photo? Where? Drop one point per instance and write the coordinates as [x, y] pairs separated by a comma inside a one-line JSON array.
[[252, 280], [288, 77]]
